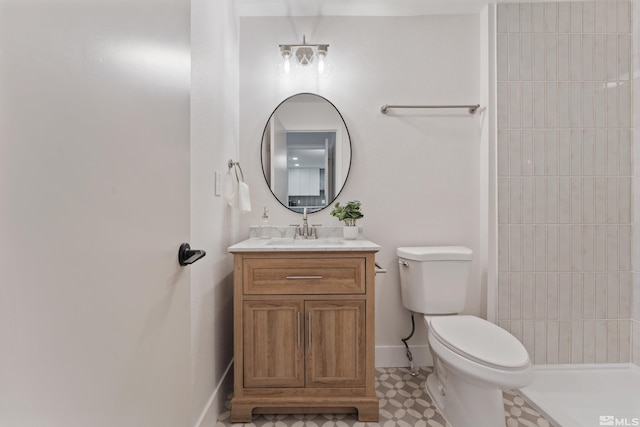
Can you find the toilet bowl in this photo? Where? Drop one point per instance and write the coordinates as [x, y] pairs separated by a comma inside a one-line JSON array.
[[474, 360], [485, 352]]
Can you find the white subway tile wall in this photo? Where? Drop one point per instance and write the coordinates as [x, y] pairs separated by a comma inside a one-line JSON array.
[[567, 286], [634, 157]]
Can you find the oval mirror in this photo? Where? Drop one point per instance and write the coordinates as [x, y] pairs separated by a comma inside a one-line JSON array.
[[306, 152]]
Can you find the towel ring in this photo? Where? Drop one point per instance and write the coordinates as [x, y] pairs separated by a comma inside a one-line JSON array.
[[231, 164]]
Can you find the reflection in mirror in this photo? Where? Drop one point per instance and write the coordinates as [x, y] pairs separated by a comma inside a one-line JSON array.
[[306, 152]]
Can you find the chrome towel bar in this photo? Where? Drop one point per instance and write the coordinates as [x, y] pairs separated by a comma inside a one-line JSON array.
[[472, 108]]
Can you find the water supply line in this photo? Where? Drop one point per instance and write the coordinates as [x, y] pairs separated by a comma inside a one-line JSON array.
[[404, 341]]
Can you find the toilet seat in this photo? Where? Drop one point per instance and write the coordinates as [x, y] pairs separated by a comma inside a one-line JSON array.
[[480, 341]]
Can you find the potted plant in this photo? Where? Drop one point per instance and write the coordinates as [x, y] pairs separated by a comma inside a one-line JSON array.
[[348, 213]]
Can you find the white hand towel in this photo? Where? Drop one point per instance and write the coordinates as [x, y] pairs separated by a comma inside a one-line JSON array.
[[236, 193], [243, 199]]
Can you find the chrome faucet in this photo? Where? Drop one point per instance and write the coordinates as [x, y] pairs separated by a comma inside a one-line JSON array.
[[305, 224], [304, 231]]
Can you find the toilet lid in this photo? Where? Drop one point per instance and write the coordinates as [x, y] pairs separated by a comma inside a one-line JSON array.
[[435, 253], [480, 341]]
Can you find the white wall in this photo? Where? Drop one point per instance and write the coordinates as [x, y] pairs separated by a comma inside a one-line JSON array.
[[214, 140], [94, 190], [635, 106], [417, 172]]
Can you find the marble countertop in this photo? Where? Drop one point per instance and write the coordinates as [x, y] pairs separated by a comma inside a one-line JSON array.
[[288, 244]]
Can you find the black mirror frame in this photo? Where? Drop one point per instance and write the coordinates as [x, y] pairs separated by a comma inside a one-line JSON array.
[[346, 178]]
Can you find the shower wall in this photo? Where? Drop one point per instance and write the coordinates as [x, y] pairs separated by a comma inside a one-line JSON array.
[[565, 137], [635, 311]]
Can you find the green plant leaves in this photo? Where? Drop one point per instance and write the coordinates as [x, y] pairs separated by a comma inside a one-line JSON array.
[[350, 211]]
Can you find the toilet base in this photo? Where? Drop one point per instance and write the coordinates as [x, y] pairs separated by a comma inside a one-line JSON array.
[[464, 404]]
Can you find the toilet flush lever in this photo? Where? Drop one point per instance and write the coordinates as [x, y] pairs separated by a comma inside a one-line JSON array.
[[403, 263]]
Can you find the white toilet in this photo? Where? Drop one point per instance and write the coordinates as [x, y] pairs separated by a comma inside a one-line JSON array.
[[473, 358]]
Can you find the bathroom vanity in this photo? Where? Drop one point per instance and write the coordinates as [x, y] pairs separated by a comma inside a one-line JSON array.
[[304, 327]]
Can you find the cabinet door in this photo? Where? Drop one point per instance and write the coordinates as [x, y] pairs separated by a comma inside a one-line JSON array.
[[310, 181], [295, 187], [335, 338], [273, 347], [304, 182]]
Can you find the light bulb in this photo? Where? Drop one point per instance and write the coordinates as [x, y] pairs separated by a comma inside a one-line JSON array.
[[286, 69], [321, 65]]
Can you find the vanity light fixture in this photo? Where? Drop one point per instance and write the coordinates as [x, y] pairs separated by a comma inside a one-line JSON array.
[[304, 55]]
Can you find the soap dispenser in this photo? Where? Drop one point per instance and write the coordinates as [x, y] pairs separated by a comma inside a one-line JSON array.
[[265, 232]]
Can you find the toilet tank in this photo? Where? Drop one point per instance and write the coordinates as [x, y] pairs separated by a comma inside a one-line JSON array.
[[434, 279]]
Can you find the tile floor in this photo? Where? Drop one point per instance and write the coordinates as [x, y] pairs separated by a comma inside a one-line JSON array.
[[403, 402]]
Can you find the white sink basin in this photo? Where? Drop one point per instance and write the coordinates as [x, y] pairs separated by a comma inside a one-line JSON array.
[[284, 244], [304, 242]]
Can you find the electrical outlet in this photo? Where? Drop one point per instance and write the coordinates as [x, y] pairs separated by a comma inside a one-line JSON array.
[[218, 184]]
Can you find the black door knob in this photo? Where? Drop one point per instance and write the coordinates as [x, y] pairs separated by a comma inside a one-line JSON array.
[[187, 256]]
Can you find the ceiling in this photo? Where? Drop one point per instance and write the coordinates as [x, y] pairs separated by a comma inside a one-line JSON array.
[[360, 7]]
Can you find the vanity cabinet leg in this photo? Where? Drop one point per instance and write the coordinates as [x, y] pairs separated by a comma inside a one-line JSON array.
[[369, 412], [241, 413]]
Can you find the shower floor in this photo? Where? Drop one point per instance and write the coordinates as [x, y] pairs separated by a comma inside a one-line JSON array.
[[587, 395]]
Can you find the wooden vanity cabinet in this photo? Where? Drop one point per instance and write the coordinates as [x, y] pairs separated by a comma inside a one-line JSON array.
[[304, 334]]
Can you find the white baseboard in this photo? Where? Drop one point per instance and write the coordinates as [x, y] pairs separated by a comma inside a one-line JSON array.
[[215, 405], [395, 356]]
